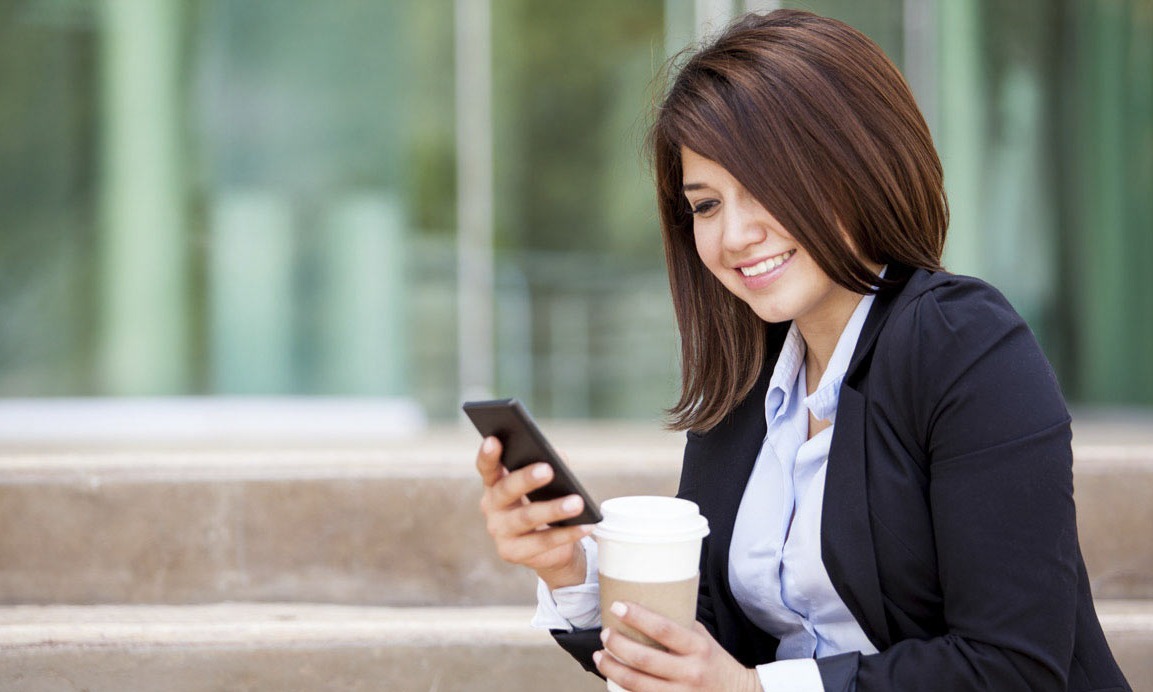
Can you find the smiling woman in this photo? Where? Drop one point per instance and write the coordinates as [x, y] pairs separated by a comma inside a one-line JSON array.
[[756, 258], [880, 447], [842, 159]]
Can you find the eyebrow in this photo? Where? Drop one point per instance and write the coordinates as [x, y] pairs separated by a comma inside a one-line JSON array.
[[693, 186]]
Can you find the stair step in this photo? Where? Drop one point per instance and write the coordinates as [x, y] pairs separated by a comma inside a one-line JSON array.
[[280, 647], [392, 524], [244, 646], [354, 525], [1128, 626]]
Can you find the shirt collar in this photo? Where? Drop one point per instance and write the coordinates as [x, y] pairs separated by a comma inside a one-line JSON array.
[[785, 374], [823, 401]]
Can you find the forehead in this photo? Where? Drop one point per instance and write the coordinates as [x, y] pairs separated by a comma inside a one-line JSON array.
[[698, 171]]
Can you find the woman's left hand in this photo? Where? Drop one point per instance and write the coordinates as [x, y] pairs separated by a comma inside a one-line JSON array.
[[694, 660]]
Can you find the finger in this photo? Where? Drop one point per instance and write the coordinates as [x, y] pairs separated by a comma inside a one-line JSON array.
[[625, 676], [643, 658], [524, 549], [531, 517], [488, 461], [659, 628], [509, 490]]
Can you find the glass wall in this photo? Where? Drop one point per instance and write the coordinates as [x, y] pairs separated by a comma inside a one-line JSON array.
[[259, 197]]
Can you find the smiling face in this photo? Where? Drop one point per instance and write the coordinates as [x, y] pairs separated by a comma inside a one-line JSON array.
[[820, 126], [754, 256]]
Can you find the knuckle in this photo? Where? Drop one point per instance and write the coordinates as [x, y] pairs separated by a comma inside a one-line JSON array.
[[528, 515], [696, 675], [627, 679], [505, 552], [661, 630], [642, 658], [503, 495], [520, 481], [566, 536]]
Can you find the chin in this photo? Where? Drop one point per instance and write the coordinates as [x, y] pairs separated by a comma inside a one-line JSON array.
[[773, 315]]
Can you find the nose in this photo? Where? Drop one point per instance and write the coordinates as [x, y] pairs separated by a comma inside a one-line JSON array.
[[744, 225]]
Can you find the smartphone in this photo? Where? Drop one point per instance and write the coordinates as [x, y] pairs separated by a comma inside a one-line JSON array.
[[522, 444]]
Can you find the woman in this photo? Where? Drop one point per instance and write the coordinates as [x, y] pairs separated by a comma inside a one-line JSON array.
[[881, 448]]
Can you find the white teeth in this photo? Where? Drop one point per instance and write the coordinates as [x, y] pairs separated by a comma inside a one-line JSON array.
[[766, 265]]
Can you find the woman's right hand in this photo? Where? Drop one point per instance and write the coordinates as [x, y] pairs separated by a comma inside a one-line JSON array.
[[520, 528]]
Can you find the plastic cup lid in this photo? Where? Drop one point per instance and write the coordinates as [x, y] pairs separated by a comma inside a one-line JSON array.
[[651, 519]]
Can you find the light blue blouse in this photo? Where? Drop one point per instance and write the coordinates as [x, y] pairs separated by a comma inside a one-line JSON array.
[[775, 568]]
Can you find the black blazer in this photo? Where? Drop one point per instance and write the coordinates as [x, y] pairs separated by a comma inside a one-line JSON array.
[[948, 526]]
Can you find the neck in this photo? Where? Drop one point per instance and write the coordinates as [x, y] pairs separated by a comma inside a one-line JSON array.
[[821, 333]]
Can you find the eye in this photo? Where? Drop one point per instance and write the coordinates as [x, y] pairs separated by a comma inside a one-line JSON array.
[[704, 207]]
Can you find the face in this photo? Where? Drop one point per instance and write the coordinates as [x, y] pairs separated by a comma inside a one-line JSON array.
[[754, 256]]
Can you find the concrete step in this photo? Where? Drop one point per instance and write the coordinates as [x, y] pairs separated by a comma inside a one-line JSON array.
[[312, 647], [1129, 628], [240, 647], [395, 523]]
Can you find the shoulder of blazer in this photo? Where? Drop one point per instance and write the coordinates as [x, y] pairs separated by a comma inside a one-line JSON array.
[[915, 284], [743, 427]]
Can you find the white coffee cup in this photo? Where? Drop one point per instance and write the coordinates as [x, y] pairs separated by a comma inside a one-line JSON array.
[[649, 552]]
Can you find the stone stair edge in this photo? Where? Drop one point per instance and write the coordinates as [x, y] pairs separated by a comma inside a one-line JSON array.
[[310, 623], [419, 459], [273, 624], [1126, 615]]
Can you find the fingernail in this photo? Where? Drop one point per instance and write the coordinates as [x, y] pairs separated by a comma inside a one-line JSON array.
[[605, 635], [619, 609], [572, 503], [540, 471], [597, 657], [489, 445]]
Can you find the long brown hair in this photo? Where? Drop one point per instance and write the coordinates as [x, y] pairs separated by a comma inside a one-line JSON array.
[[821, 128]]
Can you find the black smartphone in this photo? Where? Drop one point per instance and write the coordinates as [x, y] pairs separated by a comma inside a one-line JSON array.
[[522, 444]]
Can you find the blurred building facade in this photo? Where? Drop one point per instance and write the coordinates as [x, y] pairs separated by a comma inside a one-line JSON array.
[[268, 197]]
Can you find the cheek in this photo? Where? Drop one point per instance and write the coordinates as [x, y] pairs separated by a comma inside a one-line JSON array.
[[707, 250]]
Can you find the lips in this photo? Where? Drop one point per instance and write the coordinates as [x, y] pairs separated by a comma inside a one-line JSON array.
[[766, 265]]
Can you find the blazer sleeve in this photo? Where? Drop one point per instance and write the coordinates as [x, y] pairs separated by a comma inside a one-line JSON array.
[[993, 428], [688, 488], [581, 645]]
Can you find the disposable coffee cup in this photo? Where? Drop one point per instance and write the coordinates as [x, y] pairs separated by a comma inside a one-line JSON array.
[[649, 551]]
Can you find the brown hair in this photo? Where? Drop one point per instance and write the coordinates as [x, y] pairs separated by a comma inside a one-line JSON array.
[[819, 126]]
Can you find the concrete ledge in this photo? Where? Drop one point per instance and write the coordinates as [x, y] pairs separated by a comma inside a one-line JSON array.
[[1113, 489], [300, 646], [391, 524], [128, 421], [1129, 628], [394, 524], [273, 624], [281, 647]]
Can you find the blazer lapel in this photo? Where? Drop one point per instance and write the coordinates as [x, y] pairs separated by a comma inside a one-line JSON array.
[[741, 454], [846, 534], [882, 306], [846, 530], [736, 447], [731, 451]]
